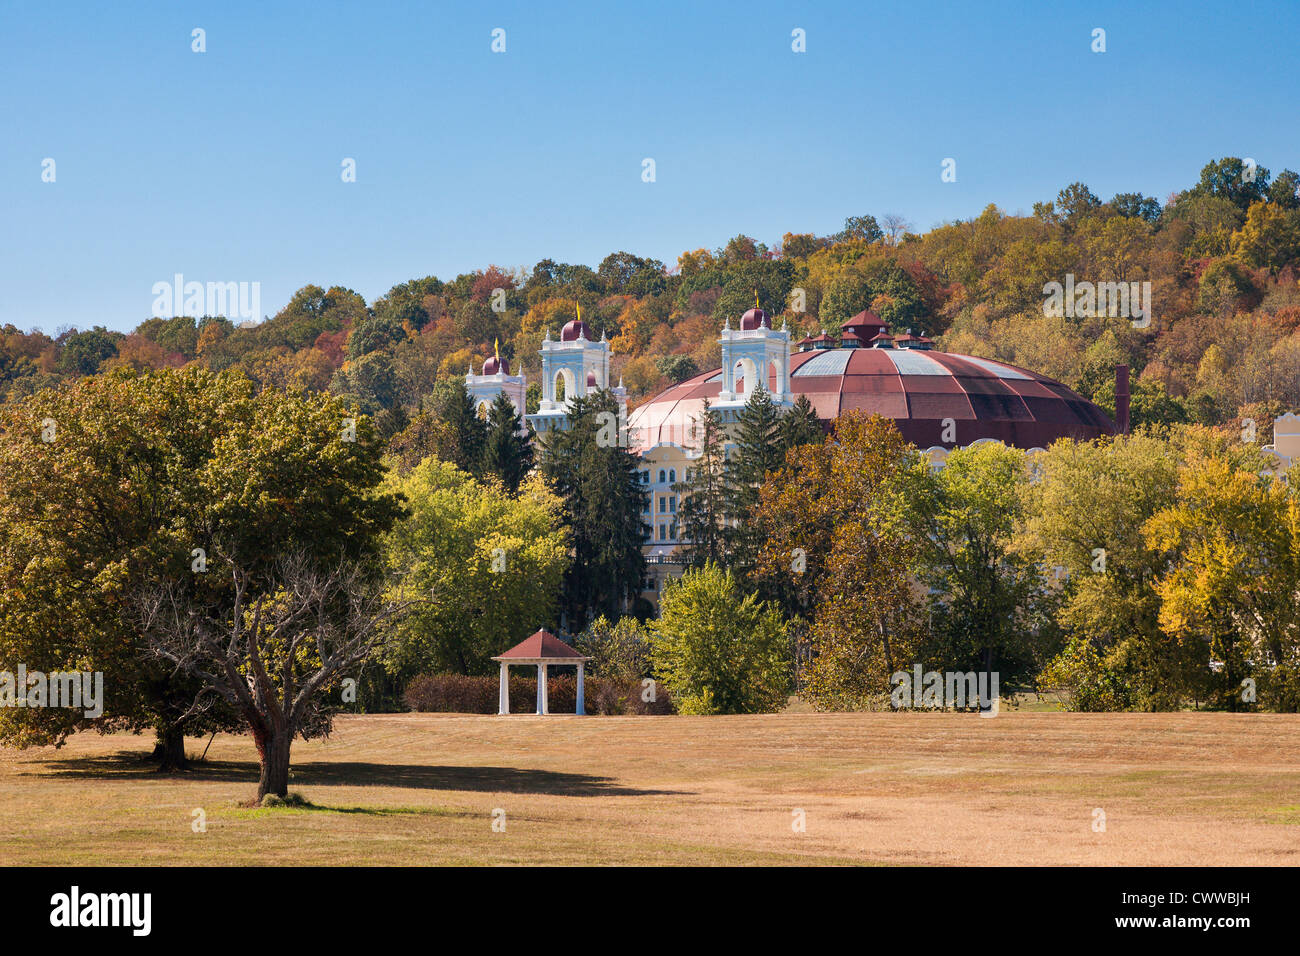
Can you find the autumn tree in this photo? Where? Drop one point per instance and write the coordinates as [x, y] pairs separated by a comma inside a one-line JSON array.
[[845, 542], [1084, 516], [1230, 544]]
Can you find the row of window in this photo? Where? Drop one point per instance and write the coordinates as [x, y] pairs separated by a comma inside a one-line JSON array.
[[668, 476]]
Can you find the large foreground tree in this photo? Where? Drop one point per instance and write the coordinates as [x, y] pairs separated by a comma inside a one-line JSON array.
[[117, 485], [293, 633]]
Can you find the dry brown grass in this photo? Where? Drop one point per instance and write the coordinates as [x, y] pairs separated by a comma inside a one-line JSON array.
[[876, 788]]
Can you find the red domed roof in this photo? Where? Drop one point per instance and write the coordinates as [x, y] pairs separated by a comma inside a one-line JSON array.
[[753, 319], [917, 388], [493, 365], [572, 329]]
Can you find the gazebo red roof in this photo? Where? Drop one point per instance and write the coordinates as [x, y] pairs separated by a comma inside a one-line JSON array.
[[542, 644]]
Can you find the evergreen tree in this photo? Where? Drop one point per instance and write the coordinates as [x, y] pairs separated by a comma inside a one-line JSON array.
[[800, 426], [507, 453], [466, 431], [759, 450], [600, 482], [702, 510]]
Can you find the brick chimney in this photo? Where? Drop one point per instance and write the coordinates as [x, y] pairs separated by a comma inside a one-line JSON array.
[[1121, 399]]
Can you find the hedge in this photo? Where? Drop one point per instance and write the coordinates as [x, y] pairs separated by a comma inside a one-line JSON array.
[[461, 694]]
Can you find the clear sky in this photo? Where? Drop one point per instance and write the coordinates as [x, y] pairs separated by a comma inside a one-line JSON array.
[[225, 166]]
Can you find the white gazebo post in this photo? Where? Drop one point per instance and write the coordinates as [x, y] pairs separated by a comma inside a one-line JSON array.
[[541, 689], [503, 702], [580, 709]]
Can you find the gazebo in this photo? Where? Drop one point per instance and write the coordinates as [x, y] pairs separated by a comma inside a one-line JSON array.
[[542, 648]]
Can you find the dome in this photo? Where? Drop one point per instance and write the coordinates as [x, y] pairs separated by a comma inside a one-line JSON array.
[[917, 388], [493, 366], [574, 328], [753, 319]]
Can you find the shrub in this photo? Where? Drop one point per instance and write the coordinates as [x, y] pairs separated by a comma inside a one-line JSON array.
[[461, 694], [717, 650]]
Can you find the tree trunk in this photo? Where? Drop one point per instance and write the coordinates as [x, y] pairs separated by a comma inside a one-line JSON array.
[[170, 750], [273, 749], [988, 677]]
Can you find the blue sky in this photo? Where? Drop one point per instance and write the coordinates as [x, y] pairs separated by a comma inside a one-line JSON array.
[[225, 166]]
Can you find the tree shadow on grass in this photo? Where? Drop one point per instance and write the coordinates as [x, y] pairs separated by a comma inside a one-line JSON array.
[[126, 765]]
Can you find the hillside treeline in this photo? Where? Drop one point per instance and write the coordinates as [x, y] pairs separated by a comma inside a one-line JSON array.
[[1221, 257]]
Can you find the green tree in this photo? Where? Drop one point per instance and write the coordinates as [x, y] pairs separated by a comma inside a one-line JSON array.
[[759, 449], [486, 565], [864, 228], [122, 484], [467, 431], [801, 426], [82, 353], [507, 450], [702, 513], [1234, 180], [1076, 202], [618, 651], [1084, 518], [717, 650], [599, 480], [987, 600]]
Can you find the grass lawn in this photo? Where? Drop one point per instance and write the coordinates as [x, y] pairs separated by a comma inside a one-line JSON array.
[[883, 788]]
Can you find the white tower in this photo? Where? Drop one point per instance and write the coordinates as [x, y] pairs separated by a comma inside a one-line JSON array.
[[577, 365], [763, 355], [496, 378]]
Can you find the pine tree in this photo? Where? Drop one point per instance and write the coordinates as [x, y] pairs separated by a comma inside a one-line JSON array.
[[506, 453], [600, 483], [800, 426], [703, 507], [466, 431], [759, 450]]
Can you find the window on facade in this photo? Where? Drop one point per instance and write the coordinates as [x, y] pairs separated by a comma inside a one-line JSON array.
[[672, 475], [662, 536], [661, 476], [672, 504]]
